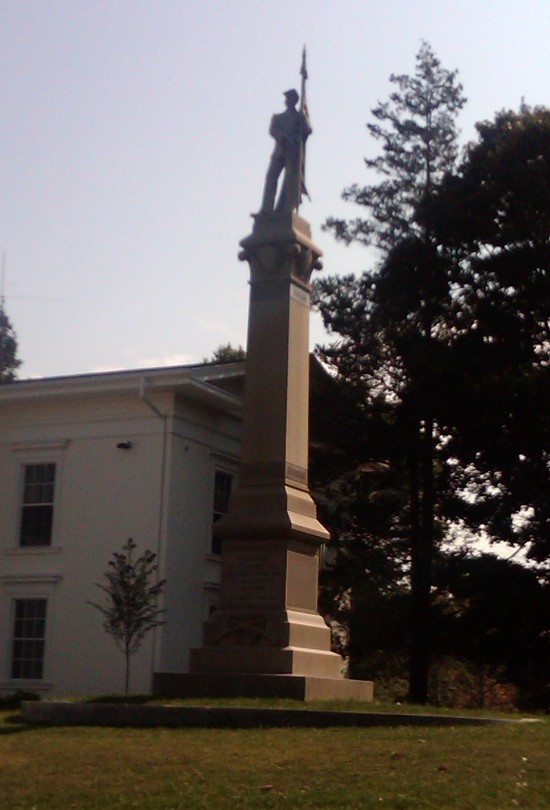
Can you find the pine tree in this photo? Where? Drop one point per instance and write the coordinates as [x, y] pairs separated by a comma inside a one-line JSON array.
[[391, 321], [416, 129], [9, 362]]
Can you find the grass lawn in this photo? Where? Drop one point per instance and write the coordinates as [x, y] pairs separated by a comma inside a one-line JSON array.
[[494, 767]]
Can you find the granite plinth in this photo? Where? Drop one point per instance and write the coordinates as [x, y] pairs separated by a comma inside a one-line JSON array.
[[256, 660], [234, 684]]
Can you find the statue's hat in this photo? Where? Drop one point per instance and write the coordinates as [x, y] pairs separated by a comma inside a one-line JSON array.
[[292, 95]]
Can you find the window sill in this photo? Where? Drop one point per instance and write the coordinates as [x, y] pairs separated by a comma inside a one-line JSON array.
[[24, 550], [25, 685]]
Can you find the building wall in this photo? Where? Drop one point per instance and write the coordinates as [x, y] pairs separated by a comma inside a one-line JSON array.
[[159, 492], [201, 442]]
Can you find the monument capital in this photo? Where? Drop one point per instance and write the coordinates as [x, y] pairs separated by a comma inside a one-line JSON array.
[[281, 240]]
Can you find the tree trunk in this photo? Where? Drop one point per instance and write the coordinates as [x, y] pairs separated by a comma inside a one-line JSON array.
[[422, 544], [127, 675]]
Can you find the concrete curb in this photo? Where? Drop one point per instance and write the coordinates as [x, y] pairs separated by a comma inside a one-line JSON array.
[[64, 713]]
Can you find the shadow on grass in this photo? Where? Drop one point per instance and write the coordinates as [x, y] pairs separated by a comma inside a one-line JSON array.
[[14, 724], [135, 700]]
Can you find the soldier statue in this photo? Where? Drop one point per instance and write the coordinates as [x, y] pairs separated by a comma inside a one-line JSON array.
[[290, 129]]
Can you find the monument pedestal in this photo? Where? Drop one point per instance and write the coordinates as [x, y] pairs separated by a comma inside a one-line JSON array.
[[225, 685], [267, 637]]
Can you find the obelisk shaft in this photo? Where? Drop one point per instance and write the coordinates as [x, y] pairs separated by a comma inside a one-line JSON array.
[[267, 621]]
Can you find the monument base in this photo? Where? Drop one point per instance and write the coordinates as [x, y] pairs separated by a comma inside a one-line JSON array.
[[266, 660], [234, 684]]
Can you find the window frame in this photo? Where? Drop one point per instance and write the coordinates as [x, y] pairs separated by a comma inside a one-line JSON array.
[[216, 514], [27, 586], [27, 507], [211, 599], [26, 454], [26, 662]]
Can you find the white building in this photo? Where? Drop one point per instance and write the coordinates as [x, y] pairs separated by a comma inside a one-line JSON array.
[[85, 463]]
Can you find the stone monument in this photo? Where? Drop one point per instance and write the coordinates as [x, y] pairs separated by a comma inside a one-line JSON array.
[[267, 637]]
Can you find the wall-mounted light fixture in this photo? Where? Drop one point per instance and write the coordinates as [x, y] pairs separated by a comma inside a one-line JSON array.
[[124, 445]]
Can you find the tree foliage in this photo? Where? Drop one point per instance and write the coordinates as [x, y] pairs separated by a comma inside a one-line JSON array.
[[132, 596], [227, 353], [495, 613], [446, 346], [492, 223], [416, 131], [9, 362], [391, 321]]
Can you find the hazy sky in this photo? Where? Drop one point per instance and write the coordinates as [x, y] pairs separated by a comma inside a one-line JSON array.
[[135, 143]]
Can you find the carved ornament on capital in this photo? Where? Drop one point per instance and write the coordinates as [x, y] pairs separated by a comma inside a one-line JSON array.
[[281, 260]]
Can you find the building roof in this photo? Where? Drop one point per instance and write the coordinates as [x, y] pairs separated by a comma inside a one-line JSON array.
[[216, 384]]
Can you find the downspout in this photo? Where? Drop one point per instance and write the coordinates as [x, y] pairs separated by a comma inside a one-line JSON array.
[[160, 557]]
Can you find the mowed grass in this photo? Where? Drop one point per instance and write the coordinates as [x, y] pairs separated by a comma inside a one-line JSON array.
[[504, 766]]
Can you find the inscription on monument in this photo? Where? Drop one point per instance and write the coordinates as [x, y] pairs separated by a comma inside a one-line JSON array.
[[299, 294], [252, 576]]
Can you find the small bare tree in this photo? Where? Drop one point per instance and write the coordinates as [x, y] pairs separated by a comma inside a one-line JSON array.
[[132, 597]]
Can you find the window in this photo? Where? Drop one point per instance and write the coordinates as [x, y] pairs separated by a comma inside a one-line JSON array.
[[222, 491], [29, 632], [37, 505]]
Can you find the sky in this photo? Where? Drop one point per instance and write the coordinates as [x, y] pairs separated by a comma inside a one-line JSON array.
[[134, 145]]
